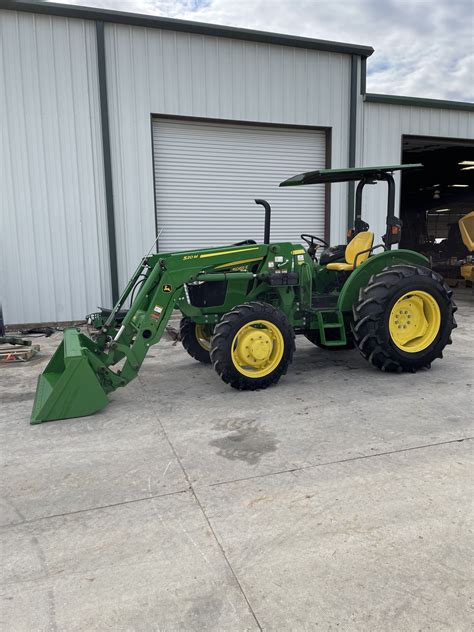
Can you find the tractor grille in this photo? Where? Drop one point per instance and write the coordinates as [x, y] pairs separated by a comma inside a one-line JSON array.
[[207, 294]]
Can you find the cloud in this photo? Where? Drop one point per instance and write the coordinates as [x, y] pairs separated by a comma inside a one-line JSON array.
[[423, 48]]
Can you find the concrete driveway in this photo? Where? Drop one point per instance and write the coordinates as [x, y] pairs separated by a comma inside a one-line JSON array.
[[339, 500]]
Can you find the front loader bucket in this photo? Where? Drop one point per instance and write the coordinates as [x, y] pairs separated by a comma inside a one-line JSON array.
[[69, 386]]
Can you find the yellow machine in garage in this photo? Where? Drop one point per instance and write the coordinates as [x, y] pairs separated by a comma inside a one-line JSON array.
[[466, 226]]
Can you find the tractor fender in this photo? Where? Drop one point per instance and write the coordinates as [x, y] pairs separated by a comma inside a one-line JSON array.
[[373, 265]]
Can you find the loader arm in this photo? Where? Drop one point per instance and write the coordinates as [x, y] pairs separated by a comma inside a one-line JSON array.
[[83, 371]]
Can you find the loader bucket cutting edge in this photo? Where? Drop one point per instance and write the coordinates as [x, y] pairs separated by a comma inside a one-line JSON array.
[[68, 387]]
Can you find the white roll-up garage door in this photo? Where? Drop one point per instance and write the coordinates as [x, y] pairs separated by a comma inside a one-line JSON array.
[[207, 176]]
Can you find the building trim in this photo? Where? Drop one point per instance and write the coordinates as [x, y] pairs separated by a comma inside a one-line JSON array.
[[106, 150], [328, 157], [186, 26], [327, 188], [439, 139], [205, 119], [390, 99], [363, 76], [155, 208], [353, 98]]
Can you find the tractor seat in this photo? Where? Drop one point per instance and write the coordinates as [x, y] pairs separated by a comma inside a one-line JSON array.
[[360, 243]]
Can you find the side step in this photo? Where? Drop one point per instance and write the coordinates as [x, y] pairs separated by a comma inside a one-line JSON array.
[[331, 320]]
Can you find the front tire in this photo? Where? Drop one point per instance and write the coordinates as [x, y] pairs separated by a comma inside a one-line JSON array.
[[196, 339], [404, 318], [252, 346]]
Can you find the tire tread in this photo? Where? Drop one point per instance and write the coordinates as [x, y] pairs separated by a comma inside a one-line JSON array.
[[370, 309], [220, 344]]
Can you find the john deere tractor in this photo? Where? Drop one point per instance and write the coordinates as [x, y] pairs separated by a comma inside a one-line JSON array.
[[241, 306]]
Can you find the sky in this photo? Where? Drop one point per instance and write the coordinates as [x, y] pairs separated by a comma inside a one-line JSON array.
[[423, 48]]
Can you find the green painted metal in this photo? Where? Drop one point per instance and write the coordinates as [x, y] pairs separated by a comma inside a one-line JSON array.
[[334, 320], [69, 386], [204, 285], [373, 265], [84, 371]]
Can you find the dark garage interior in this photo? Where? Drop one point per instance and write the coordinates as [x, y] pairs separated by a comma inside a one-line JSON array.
[[435, 198]]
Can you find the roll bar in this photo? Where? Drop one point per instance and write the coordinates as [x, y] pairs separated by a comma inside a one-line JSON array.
[[394, 224]]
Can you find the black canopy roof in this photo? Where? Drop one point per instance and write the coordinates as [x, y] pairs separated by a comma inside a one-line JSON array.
[[344, 175]]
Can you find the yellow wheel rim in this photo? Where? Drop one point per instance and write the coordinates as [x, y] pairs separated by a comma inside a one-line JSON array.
[[257, 348], [414, 321], [202, 337]]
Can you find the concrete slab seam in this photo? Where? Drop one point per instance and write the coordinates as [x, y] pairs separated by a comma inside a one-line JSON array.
[[355, 458], [98, 508], [206, 518]]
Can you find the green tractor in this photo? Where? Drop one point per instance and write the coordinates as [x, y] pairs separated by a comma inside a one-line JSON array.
[[242, 305]]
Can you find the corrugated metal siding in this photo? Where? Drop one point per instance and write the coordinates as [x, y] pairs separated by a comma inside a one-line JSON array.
[[383, 127], [207, 176], [54, 254], [164, 72]]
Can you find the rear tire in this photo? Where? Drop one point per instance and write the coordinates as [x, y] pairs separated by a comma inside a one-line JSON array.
[[195, 340], [404, 318], [252, 346]]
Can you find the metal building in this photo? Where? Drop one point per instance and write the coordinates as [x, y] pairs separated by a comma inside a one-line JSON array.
[[118, 127]]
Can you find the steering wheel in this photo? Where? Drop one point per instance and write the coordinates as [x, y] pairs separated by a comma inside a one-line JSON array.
[[312, 245]]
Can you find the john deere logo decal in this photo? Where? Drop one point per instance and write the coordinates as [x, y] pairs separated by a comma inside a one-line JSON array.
[[167, 287]]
